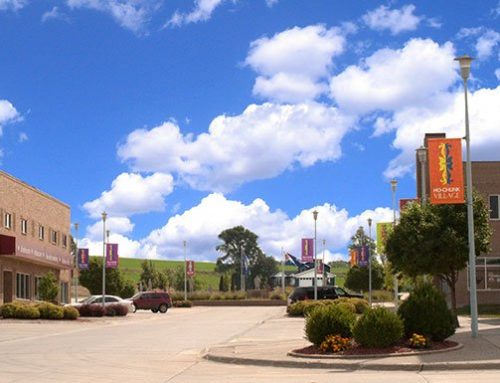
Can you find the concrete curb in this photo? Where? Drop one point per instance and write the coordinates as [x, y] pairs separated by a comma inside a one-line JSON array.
[[375, 356], [350, 365]]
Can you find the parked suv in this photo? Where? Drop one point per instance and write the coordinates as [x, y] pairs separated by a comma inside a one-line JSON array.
[[152, 300], [328, 292]]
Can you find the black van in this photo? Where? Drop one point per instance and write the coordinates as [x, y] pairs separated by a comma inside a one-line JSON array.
[[329, 292]]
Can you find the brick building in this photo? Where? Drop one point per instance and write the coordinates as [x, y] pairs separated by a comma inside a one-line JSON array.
[[486, 180], [34, 239]]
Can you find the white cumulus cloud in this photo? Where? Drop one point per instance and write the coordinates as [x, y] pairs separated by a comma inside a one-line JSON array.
[[394, 79], [395, 20], [293, 64], [8, 114], [202, 11], [262, 142], [486, 43], [12, 5], [132, 193]]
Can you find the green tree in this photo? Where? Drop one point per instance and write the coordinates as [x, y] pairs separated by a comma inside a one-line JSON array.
[[357, 278], [48, 287], [237, 241], [92, 278], [361, 239], [433, 239]]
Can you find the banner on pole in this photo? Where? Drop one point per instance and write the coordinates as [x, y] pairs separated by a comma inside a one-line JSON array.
[[190, 268], [319, 266], [83, 259], [353, 254], [307, 249], [383, 231], [363, 256], [445, 171], [111, 255]]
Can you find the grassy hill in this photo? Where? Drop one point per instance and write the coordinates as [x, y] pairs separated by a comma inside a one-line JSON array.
[[205, 271]]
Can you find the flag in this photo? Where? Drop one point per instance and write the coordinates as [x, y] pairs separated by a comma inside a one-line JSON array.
[[307, 250], [445, 171], [353, 253], [363, 253], [112, 255], [83, 259]]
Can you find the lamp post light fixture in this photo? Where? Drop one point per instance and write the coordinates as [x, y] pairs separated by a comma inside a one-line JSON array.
[[75, 277], [103, 215], [315, 216], [185, 271], [422, 158], [369, 262], [394, 185], [465, 62]]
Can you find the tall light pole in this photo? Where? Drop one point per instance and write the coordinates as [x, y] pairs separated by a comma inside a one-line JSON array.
[[104, 215], [422, 158], [75, 279], [323, 260], [315, 216], [185, 271], [465, 62], [394, 185], [369, 262], [283, 270]]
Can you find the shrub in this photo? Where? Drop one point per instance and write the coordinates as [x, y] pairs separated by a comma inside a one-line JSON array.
[[378, 327], [128, 289], [70, 313], [197, 295], [50, 311], [335, 343], [116, 310], [277, 295], [425, 312], [361, 305], [92, 310], [8, 310], [182, 304], [328, 320], [419, 341], [24, 311], [295, 309], [381, 296]]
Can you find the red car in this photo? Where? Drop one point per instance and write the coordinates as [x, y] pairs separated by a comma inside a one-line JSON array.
[[152, 300]]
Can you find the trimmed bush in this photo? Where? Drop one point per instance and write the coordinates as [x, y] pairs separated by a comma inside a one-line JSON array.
[[277, 295], [50, 311], [329, 320], [8, 310], [93, 310], [182, 304], [378, 327], [24, 311], [302, 308], [70, 313], [425, 312], [116, 310], [295, 309], [360, 304]]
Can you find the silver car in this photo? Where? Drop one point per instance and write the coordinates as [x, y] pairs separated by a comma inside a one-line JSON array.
[[108, 300]]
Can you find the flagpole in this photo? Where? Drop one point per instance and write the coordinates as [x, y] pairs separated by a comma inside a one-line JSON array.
[[283, 270]]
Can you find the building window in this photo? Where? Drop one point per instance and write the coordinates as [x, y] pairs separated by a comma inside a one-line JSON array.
[[24, 226], [37, 288], [41, 232], [23, 286], [53, 236], [64, 240], [7, 221], [487, 273], [494, 208], [64, 292]]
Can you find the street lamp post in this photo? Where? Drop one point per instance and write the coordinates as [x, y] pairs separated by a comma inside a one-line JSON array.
[[323, 261], [394, 184], [104, 215], [75, 279], [369, 262], [465, 62], [422, 158], [315, 216], [185, 271]]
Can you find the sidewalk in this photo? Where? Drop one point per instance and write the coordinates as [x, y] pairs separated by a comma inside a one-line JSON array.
[[268, 344]]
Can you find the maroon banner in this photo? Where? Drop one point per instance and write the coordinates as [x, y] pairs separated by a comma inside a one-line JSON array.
[[111, 255], [7, 245], [83, 259], [190, 268], [307, 250]]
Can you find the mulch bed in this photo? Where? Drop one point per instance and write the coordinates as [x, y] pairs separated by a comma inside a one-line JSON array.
[[399, 348]]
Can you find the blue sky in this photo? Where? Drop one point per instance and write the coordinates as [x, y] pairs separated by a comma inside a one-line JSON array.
[[184, 118]]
